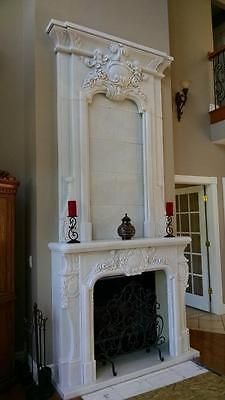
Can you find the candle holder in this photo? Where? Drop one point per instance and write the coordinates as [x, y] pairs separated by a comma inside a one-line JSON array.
[[72, 230], [169, 227]]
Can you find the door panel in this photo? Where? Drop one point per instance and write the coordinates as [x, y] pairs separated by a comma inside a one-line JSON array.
[[190, 216]]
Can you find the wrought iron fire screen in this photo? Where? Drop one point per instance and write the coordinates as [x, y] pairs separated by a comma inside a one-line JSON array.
[[127, 320]]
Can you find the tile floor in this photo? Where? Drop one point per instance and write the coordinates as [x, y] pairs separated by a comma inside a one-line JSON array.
[[147, 383], [204, 321]]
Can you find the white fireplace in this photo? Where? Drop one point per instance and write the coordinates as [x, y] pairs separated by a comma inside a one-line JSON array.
[[110, 159]]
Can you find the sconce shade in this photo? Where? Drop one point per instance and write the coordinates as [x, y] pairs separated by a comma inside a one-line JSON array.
[[185, 84]]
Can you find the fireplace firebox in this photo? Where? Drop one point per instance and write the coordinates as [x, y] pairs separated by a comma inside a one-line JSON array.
[[126, 317]]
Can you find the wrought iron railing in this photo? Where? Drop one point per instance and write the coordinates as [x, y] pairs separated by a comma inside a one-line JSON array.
[[218, 60]]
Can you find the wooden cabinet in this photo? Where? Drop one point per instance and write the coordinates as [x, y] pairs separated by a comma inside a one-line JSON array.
[[8, 189]]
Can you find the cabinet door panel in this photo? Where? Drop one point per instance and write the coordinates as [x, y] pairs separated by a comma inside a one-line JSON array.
[[6, 244], [8, 188], [6, 339]]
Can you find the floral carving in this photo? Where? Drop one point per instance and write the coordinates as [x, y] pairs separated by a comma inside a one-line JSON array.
[[159, 261], [69, 280], [119, 77], [128, 262], [183, 272], [69, 289], [70, 264]]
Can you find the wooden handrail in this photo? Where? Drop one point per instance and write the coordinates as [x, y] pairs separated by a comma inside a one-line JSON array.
[[213, 54], [217, 115]]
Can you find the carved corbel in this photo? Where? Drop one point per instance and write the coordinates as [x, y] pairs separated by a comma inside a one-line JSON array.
[[59, 36], [158, 64], [74, 38]]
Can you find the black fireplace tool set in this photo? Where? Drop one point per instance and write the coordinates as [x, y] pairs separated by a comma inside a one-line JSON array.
[[39, 385]]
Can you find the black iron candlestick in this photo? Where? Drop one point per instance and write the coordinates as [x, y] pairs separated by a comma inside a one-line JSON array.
[[169, 227], [72, 230]]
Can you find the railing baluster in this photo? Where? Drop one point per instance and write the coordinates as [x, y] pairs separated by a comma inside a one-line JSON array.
[[218, 59], [214, 83], [223, 68]]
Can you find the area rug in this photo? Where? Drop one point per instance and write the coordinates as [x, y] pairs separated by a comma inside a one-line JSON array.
[[207, 386]]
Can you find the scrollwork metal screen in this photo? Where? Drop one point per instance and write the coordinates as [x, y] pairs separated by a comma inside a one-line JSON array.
[[126, 316]]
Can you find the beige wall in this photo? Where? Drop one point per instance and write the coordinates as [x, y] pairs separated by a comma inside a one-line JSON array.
[[168, 137], [30, 148], [144, 22], [12, 141], [191, 39]]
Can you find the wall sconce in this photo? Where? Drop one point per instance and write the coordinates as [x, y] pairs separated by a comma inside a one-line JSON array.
[[181, 98]]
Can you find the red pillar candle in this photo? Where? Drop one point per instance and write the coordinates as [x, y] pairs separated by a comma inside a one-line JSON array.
[[72, 208], [169, 209]]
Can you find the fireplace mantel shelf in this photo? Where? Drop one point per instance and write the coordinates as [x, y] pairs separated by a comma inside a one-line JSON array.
[[101, 245]]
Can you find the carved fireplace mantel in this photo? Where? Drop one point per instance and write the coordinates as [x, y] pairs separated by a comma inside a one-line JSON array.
[[110, 159]]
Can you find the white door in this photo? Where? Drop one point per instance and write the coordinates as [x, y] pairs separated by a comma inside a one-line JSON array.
[[191, 221]]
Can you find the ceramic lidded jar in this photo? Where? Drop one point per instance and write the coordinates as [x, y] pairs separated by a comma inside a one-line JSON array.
[[126, 230]]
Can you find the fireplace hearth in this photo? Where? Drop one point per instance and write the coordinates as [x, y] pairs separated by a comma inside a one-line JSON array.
[[126, 317]]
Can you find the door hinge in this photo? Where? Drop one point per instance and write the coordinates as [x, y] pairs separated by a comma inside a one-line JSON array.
[[205, 198], [207, 243], [210, 291]]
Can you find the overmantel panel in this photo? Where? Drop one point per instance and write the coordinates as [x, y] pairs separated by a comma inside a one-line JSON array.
[[91, 62]]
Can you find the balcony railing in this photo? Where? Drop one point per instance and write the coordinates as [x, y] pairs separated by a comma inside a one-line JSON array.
[[218, 60]]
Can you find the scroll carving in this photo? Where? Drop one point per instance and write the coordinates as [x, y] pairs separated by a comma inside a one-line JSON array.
[[128, 262], [113, 72]]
